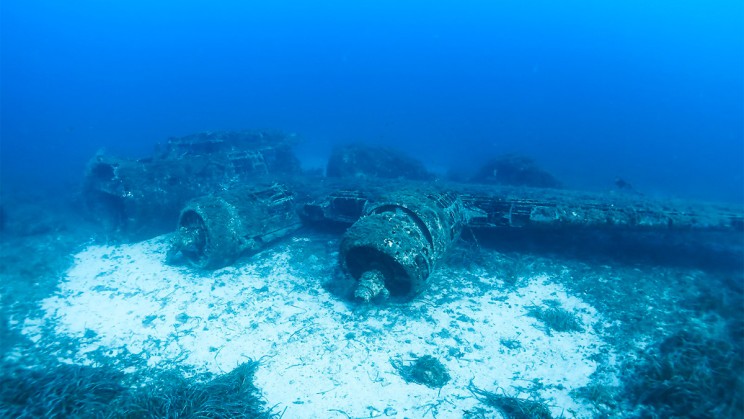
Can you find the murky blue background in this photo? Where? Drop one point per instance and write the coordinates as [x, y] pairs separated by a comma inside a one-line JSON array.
[[648, 91]]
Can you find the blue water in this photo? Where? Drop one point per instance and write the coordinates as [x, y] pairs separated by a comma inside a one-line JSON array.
[[652, 92]]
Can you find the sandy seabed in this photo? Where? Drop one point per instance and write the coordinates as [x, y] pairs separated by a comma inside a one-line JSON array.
[[321, 356]]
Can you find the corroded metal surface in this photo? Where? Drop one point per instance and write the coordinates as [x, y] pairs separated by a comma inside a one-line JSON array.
[[136, 199], [396, 245], [498, 207], [509, 207], [214, 230], [396, 230]]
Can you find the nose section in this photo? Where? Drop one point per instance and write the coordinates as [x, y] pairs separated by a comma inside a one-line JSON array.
[[396, 245]]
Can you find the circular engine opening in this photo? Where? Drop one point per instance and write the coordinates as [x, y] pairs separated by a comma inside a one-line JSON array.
[[363, 258]]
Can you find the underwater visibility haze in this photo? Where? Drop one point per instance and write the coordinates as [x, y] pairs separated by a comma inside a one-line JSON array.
[[647, 91], [404, 209]]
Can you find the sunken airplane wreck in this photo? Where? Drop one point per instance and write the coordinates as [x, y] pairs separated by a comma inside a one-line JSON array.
[[230, 194]]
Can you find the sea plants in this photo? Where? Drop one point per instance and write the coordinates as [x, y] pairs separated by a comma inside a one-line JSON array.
[[602, 397], [62, 390], [425, 370], [554, 317], [689, 374], [512, 344], [231, 395], [59, 390], [512, 407]]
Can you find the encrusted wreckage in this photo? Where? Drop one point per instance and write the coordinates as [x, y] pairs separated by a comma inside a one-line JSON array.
[[501, 207], [214, 230], [396, 244], [238, 192], [140, 198]]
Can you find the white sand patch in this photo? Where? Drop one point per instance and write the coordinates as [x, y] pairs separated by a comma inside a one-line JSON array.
[[322, 357]]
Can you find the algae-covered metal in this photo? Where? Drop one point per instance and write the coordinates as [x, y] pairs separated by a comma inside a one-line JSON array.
[[504, 207], [140, 198], [395, 246], [340, 207], [213, 231], [537, 208]]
